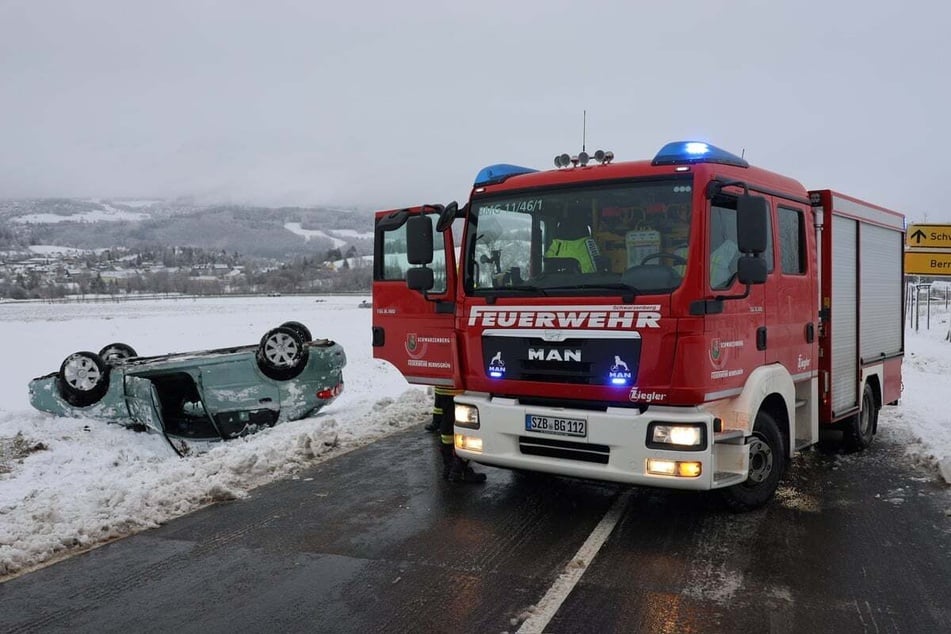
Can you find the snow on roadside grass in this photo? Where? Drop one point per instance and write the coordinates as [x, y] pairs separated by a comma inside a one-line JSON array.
[[74, 502]]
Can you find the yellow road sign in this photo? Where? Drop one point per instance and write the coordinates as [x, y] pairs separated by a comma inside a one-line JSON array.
[[927, 263], [928, 236]]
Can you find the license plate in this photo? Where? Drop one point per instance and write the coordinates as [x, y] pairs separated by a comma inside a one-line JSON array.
[[556, 425]]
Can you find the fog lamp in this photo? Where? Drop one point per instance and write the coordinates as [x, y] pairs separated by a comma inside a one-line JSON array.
[[468, 443], [678, 468]]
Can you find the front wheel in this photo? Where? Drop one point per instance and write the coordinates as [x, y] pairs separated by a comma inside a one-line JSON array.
[[117, 351], [767, 463], [303, 330]]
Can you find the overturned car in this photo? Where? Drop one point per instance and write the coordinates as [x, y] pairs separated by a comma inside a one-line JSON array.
[[193, 398]]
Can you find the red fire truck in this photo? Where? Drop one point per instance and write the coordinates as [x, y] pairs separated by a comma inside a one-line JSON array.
[[687, 322]]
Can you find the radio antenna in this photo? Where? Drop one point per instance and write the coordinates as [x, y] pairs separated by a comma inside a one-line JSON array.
[[584, 127]]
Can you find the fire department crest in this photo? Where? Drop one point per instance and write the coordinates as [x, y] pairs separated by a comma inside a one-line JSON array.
[[411, 342], [715, 350]]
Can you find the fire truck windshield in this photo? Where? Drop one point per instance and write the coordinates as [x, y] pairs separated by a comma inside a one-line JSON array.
[[581, 240]]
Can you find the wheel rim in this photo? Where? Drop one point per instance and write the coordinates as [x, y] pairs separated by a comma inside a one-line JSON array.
[[865, 419], [281, 350], [761, 460], [81, 373]]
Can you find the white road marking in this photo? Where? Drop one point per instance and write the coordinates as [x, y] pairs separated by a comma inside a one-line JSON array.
[[568, 579]]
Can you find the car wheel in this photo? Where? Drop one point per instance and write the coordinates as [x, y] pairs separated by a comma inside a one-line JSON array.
[[116, 351], [301, 329], [767, 463], [83, 378], [281, 354]]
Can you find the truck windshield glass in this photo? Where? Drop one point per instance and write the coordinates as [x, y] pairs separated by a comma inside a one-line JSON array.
[[628, 236]]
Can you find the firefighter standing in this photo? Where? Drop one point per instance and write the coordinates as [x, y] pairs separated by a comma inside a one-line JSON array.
[[455, 469]]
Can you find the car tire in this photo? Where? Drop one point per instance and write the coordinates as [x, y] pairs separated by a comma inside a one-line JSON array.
[[116, 351], [282, 355], [302, 330], [767, 463], [83, 378]]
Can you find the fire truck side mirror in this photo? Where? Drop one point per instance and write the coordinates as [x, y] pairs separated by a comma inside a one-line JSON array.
[[419, 240], [751, 223], [446, 216], [420, 279], [751, 270]]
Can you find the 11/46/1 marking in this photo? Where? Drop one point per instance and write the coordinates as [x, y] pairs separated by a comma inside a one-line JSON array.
[[556, 425]]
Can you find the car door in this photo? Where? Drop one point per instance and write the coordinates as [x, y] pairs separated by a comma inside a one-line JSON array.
[[143, 402]]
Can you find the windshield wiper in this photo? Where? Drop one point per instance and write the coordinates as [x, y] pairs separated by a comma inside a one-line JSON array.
[[627, 292], [520, 288], [492, 293]]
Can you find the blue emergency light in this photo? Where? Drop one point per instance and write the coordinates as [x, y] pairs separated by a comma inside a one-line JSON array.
[[687, 152], [494, 174]]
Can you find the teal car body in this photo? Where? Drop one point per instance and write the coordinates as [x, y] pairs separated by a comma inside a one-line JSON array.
[[202, 397]]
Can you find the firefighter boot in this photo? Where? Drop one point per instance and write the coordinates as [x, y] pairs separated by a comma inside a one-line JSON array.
[[448, 455], [462, 472], [434, 425]]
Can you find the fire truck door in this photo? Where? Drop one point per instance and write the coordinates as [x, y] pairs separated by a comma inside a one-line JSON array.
[[413, 330], [791, 311], [737, 334]]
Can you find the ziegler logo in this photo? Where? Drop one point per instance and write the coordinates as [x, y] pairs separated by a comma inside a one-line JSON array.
[[553, 354]]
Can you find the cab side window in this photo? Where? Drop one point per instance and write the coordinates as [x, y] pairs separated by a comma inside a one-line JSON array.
[[792, 241], [395, 262], [724, 251], [723, 248]]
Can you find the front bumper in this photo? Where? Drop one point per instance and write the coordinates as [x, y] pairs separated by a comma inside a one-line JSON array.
[[614, 449]]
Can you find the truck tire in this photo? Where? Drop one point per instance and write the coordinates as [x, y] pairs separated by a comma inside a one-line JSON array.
[[860, 428], [767, 463]]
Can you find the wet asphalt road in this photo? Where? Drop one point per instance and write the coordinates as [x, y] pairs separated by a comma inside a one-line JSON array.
[[373, 541]]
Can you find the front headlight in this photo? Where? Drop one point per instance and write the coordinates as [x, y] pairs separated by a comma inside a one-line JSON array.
[[688, 437], [467, 416]]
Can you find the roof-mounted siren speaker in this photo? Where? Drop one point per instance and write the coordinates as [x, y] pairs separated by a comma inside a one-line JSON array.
[[603, 158], [583, 159], [562, 160]]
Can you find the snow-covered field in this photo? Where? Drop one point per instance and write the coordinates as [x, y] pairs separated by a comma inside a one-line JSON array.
[[68, 484]]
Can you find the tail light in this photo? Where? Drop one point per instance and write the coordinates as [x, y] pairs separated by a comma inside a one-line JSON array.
[[330, 392]]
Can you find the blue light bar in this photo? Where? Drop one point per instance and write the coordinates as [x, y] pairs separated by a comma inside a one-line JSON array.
[[618, 381], [686, 152], [497, 173]]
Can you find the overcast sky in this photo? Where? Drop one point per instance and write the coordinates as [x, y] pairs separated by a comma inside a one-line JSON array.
[[385, 104]]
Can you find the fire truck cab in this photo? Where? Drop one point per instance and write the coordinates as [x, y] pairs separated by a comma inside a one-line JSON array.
[[687, 322]]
